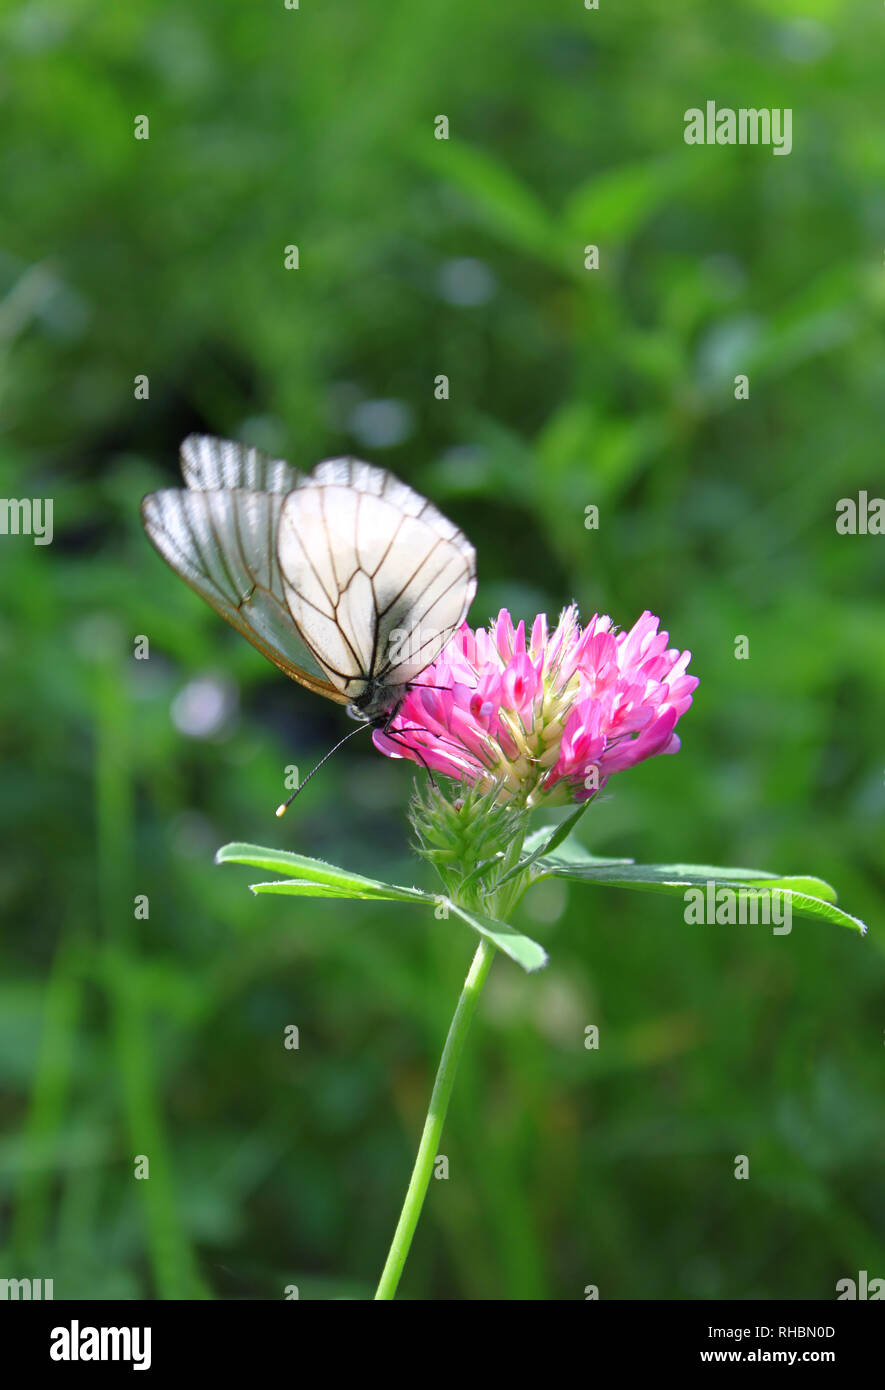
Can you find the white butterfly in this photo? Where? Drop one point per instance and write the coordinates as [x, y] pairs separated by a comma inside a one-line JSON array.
[[350, 582]]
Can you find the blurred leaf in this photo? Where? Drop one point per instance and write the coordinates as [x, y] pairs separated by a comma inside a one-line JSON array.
[[613, 205], [508, 208]]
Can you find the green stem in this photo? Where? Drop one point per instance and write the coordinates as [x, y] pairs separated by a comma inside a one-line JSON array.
[[436, 1114]]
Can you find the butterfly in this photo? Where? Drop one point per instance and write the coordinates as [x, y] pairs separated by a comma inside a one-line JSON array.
[[345, 578]]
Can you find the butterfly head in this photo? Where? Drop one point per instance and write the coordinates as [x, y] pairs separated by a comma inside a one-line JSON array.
[[377, 704]]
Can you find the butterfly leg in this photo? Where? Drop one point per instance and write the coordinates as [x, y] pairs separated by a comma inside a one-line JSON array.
[[394, 738]]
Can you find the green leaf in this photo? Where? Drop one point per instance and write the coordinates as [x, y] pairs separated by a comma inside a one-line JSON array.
[[526, 952], [808, 896], [367, 891], [570, 852], [314, 878], [338, 883]]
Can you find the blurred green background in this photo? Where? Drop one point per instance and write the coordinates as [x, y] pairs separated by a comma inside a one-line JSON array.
[[569, 387]]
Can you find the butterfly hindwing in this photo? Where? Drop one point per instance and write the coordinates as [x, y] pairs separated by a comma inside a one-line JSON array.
[[375, 577]]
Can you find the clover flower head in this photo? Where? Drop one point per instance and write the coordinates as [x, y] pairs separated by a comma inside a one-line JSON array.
[[549, 717]]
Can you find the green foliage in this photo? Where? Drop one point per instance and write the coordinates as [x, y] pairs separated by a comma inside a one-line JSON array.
[[123, 1035], [311, 878]]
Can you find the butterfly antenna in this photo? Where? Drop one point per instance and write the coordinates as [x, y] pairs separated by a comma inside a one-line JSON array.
[[286, 804]]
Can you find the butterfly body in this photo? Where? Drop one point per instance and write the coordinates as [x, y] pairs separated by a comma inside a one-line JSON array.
[[346, 578], [377, 704]]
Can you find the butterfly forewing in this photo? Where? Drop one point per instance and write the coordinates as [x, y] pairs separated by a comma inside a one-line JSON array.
[[223, 543], [211, 465]]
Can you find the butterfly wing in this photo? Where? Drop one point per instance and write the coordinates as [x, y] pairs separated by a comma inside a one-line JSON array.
[[211, 465], [377, 580], [221, 539]]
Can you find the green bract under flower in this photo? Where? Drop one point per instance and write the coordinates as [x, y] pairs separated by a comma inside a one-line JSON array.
[[472, 839]]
